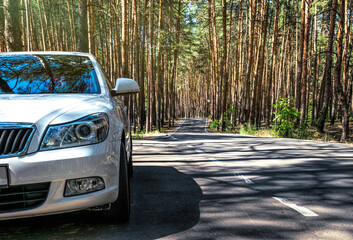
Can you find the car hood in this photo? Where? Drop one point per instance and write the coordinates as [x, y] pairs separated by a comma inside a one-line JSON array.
[[35, 108]]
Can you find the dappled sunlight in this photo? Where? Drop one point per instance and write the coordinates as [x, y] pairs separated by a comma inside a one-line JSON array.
[[254, 188], [314, 175]]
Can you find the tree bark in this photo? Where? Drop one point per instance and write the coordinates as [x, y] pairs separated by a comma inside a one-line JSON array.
[[315, 68], [150, 82], [124, 35], [13, 29], [246, 95], [143, 64], [257, 96], [299, 84], [224, 68], [159, 67], [175, 65], [82, 26], [341, 95], [304, 77], [327, 72], [272, 69]]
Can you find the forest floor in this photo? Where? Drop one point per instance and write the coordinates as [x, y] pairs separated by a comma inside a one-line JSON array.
[[332, 133], [155, 133]]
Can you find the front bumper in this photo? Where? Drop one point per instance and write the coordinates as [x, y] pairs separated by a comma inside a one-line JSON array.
[[57, 166]]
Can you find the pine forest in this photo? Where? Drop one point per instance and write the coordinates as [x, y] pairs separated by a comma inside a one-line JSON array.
[[280, 64]]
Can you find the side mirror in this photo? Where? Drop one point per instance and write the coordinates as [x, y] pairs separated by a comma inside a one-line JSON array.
[[125, 86]]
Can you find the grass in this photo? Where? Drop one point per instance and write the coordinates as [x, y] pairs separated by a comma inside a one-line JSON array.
[[144, 135], [164, 130], [332, 132], [258, 132]]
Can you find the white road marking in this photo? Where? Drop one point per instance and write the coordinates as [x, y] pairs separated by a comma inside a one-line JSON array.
[[246, 180], [216, 161], [302, 210], [179, 127]]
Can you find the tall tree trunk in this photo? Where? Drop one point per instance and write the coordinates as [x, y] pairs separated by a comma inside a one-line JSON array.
[[216, 68], [159, 68], [143, 64], [304, 77], [347, 42], [13, 29], [44, 47], [341, 95], [124, 36], [315, 68], [238, 55], [82, 26], [28, 41], [272, 69], [175, 65], [213, 58], [150, 82], [224, 68], [246, 94], [327, 72], [299, 84], [257, 96], [72, 25]]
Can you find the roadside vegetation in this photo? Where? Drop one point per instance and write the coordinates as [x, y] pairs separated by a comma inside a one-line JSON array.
[[143, 134], [286, 124]]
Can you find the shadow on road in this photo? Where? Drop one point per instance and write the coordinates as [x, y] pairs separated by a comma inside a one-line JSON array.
[[315, 175], [164, 201]]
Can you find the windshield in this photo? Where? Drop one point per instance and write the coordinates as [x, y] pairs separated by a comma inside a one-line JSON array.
[[39, 74]]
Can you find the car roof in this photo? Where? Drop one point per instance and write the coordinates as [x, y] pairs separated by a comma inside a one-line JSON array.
[[49, 53]]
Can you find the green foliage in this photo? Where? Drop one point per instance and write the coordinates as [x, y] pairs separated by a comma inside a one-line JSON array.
[[229, 124], [247, 129], [227, 119], [231, 110], [143, 134], [140, 132], [302, 130], [286, 116], [215, 125]]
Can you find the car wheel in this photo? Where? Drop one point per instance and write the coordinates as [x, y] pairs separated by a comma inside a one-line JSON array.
[[120, 209]]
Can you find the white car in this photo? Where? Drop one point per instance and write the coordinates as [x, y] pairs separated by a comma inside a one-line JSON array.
[[65, 140]]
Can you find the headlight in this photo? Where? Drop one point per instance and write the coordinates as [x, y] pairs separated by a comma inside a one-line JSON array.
[[88, 130]]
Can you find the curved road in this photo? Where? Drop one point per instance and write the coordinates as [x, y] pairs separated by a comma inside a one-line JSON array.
[[191, 184]]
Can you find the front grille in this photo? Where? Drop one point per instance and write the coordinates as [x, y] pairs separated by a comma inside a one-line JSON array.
[[13, 140], [23, 197]]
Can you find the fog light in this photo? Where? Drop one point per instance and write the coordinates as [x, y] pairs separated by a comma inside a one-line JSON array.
[[83, 185]]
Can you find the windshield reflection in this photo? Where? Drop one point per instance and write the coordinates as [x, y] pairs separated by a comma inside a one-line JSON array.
[[40, 74]]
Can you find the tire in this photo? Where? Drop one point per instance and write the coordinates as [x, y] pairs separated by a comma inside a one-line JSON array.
[[119, 211]]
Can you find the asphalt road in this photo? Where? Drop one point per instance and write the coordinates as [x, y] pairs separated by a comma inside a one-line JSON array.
[[192, 184]]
